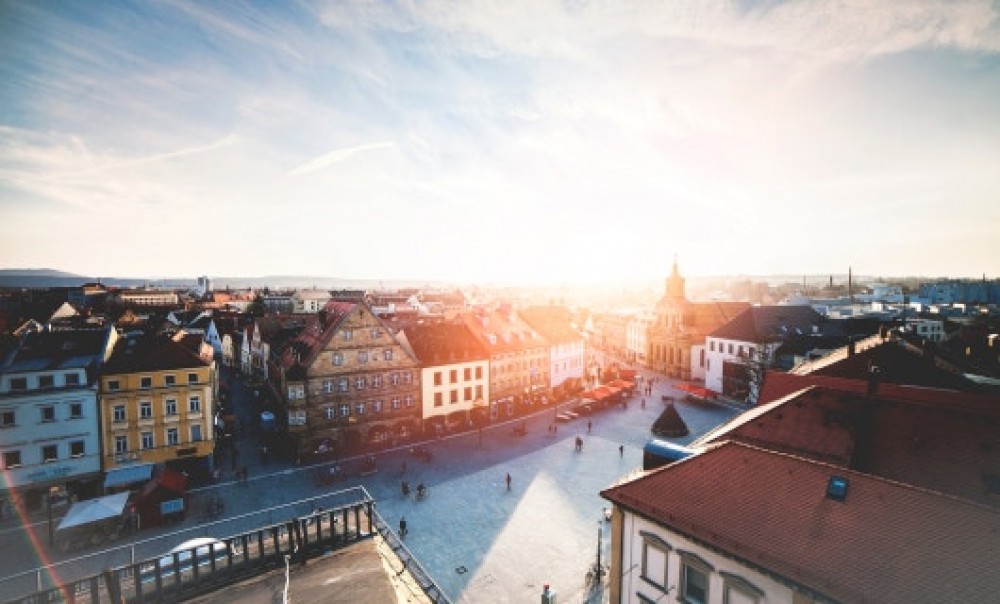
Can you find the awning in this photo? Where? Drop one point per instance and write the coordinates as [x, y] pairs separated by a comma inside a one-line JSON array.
[[623, 384], [128, 475], [696, 390], [94, 510]]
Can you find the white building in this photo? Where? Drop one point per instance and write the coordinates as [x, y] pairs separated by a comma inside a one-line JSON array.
[[49, 429], [637, 336], [309, 300]]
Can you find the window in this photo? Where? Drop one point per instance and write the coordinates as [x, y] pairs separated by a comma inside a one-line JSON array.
[[737, 590], [114, 385], [408, 400], [376, 381], [72, 379], [75, 410], [479, 393], [438, 399], [297, 417], [145, 410], [345, 410], [711, 345], [348, 335], [169, 380], [145, 382], [147, 440], [121, 444], [76, 448], [196, 433], [329, 413], [362, 356], [694, 578], [170, 406], [192, 378], [328, 386], [454, 396], [387, 355], [11, 459], [407, 378], [654, 559], [479, 373], [194, 404], [467, 374], [19, 383], [376, 406], [48, 413], [730, 348], [296, 391], [376, 333], [453, 376], [468, 393], [360, 408], [50, 453], [172, 436], [394, 379], [359, 383], [343, 384], [7, 417], [437, 378], [46, 381], [119, 414], [395, 402], [338, 358]]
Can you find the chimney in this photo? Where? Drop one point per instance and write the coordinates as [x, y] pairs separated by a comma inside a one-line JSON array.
[[850, 284]]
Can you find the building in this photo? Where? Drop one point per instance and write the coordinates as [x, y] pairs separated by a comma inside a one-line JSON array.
[[637, 336], [834, 493], [677, 338], [157, 401], [455, 373], [347, 382], [567, 350], [519, 358], [145, 297], [309, 300], [49, 431], [739, 351]]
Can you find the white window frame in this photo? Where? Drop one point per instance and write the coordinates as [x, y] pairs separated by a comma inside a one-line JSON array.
[[173, 437]]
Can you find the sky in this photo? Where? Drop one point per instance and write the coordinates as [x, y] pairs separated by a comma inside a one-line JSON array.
[[537, 141]]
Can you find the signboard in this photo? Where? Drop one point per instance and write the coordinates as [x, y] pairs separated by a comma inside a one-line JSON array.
[[172, 506]]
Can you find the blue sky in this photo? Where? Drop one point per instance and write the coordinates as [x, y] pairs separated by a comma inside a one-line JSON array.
[[483, 141]]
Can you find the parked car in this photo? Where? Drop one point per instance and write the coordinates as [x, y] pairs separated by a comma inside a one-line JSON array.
[[203, 548]]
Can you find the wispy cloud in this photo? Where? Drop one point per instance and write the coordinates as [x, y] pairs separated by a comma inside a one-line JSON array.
[[326, 160]]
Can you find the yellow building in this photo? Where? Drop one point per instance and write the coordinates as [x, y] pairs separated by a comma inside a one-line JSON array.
[[156, 399]]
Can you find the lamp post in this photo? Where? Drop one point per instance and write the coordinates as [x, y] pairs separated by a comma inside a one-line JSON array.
[[598, 571]]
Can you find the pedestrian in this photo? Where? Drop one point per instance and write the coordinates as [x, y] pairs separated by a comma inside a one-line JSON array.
[[588, 426], [621, 450], [508, 481], [643, 403], [402, 526]]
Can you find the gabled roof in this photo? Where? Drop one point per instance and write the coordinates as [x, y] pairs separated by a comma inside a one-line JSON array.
[[768, 323], [554, 323], [501, 331], [941, 442], [153, 353], [64, 349], [885, 542], [444, 343]]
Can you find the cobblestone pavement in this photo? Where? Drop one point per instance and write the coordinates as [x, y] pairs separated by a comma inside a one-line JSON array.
[[480, 542]]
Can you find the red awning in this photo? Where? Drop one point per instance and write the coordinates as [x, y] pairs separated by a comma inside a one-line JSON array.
[[601, 392], [696, 390], [623, 384]]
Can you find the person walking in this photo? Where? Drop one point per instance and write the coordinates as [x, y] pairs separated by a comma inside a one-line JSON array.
[[402, 526], [588, 426], [508, 481], [621, 450]]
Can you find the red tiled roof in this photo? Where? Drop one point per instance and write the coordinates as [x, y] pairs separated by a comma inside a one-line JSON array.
[[886, 542], [153, 353], [946, 444], [441, 343]]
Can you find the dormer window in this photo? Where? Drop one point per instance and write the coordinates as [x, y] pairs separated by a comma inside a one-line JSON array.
[[72, 379], [145, 382], [169, 380], [19, 383], [46, 381]]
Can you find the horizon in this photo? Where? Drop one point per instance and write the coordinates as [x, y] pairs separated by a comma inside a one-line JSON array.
[[530, 142]]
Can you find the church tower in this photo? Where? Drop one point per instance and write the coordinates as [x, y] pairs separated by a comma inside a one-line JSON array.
[[675, 283]]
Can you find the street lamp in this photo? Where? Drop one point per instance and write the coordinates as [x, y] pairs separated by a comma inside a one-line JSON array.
[[598, 571]]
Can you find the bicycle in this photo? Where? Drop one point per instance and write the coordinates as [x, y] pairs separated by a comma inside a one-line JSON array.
[[595, 574]]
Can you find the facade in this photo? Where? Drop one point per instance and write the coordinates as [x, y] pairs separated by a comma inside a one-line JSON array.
[[677, 338], [637, 336], [567, 350], [738, 351], [348, 382], [455, 372], [146, 297], [49, 432], [519, 358], [157, 400]]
